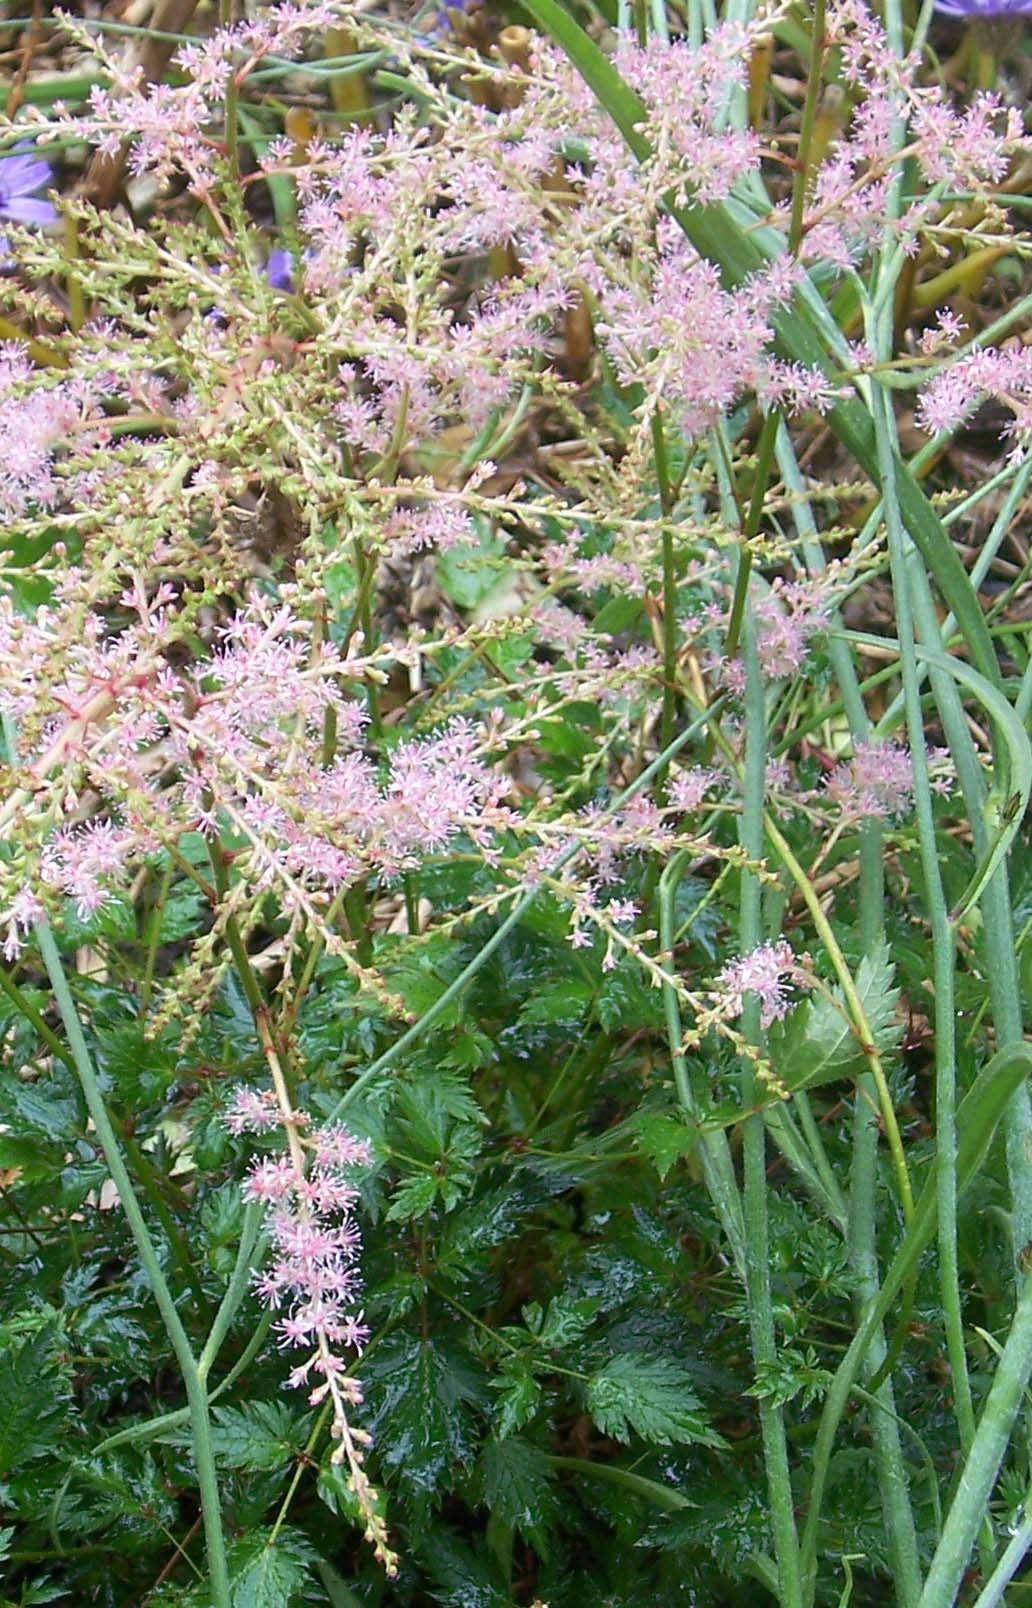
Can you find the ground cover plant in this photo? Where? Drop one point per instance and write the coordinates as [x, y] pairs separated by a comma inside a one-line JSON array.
[[515, 889]]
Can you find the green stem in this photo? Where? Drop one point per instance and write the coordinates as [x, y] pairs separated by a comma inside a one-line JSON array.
[[196, 1397], [365, 572], [666, 508], [861, 1228], [764, 458], [992, 1594], [806, 127], [943, 960], [718, 1168], [754, 1191], [968, 1509], [977, 1118], [154, 939], [149, 1178]]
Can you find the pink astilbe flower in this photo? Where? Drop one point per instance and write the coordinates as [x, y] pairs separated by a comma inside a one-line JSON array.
[[786, 618], [21, 915], [956, 389], [768, 972], [33, 420], [683, 335], [688, 788], [242, 731], [312, 1279], [251, 1111], [966, 147], [174, 128], [878, 781], [686, 89]]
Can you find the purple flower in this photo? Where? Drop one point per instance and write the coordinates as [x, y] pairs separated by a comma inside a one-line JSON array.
[[21, 175], [985, 10], [279, 270]]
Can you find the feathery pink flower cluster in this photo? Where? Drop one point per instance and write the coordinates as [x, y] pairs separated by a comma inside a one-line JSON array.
[[34, 418], [313, 1280], [786, 618], [877, 782], [768, 972], [1004, 374], [175, 127], [966, 147], [121, 755]]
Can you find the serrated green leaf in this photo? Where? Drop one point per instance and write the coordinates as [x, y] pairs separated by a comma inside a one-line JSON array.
[[261, 1436], [413, 1198], [649, 1396], [461, 1578], [420, 1396], [334, 1488], [183, 914], [565, 1320], [469, 571], [818, 1043], [562, 1001], [266, 1573], [626, 1002], [663, 1138], [42, 1591], [519, 1396], [35, 1400], [515, 1485]]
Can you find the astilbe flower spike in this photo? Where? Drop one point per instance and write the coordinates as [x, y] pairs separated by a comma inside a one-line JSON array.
[[767, 972], [312, 1279]]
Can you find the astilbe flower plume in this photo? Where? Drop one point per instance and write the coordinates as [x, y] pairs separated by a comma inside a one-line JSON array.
[[877, 782], [243, 730], [768, 972], [312, 1279]]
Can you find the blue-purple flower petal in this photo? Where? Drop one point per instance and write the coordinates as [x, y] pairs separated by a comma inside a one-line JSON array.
[[22, 174], [984, 10], [279, 270], [21, 209]]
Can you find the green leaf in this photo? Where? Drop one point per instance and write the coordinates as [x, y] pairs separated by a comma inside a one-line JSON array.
[[515, 1485], [261, 1436], [519, 1395], [430, 1106], [183, 914], [266, 1573], [562, 1001], [649, 1396], [461, 1578], [817, 1043], [663, 1138], [421, 1396], [35, 1401], [413, 1198], [334, 1488], [564, 1321], [469, 571], [626, 1002]]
